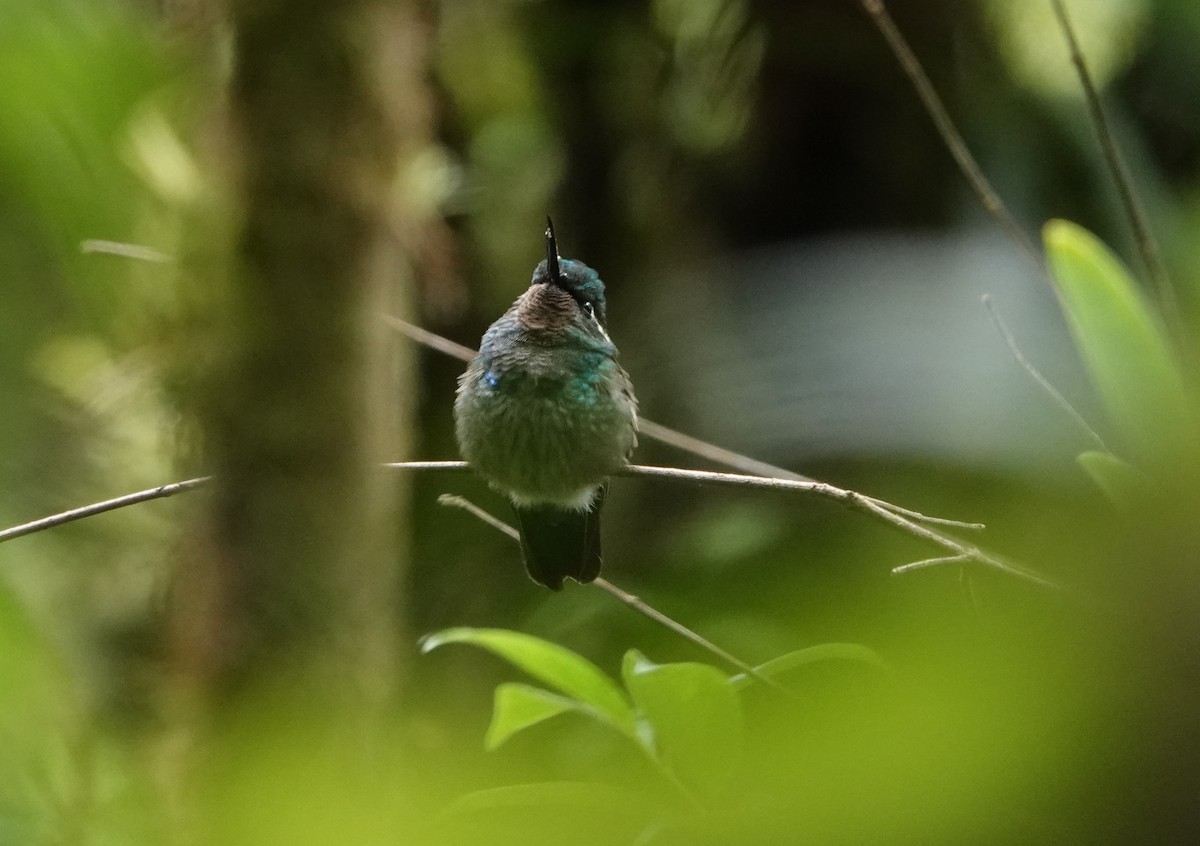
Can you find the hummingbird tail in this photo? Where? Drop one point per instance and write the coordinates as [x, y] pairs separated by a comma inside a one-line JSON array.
[[559, 544]]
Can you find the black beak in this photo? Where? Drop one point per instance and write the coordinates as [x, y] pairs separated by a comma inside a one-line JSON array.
[[552, 254]]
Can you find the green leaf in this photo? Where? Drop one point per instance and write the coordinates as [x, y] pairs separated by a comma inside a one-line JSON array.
[[1121, 482], [695, 717], [1124, 348], [564, 812], [573, 794], [811, 655], [519, 706], [552, 813], [550, 663]]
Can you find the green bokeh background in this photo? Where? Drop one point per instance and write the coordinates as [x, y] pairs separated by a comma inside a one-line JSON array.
[[665, 137]]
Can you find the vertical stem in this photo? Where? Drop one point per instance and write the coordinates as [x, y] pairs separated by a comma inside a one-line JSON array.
[[1136, 214], [950, 135]]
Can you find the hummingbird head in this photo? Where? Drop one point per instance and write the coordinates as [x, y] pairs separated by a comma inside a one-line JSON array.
[[563, 293]]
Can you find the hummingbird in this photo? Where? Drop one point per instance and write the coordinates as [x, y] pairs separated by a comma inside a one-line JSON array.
[[545, 414]]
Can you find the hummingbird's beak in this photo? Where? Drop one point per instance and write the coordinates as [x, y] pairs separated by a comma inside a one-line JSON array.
[[552, 255]]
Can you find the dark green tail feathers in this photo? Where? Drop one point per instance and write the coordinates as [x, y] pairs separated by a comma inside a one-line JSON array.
[[560, 544]]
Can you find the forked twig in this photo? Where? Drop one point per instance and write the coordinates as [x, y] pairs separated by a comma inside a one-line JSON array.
[[624, 596], [950, 135], [846, 497], [928, 562], [1037, 376], [746, 464], [853, 500], [1147, 245]]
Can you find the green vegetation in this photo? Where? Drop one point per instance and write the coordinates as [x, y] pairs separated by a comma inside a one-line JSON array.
[[204, 212]]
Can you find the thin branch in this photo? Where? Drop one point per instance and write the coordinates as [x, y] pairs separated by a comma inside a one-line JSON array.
[[452, 501], [968, 551], [670, 437], [634, 602], [950, 135], [928, 562], [925, 518], [848, 498], [100, 507], [429, 339], [426, 465], [639, 605], [1028, 367], [746, 464], [117, 248], [1147, 245]]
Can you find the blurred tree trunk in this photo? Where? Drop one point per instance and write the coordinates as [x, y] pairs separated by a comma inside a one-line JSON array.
[[299, 576]]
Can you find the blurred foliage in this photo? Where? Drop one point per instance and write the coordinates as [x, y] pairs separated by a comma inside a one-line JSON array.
[[663, 136], [1108, 31], [1126, 351]]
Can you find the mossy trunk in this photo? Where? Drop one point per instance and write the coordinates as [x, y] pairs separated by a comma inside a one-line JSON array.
[[301, 588]]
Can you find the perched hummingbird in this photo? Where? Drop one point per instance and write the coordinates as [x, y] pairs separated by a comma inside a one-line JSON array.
[[545, 413]]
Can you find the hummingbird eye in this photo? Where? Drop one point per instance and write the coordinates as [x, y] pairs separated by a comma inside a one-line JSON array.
[[588, 309]]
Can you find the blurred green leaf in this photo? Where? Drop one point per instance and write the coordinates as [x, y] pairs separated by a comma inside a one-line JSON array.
[[580, 794], [73, 74], [560, 668], [280, 768], [1109, 34], [1121, 482], [36, 702], [695, 716], [556, 812], [809, 656], [519, 706], [1123, 346]]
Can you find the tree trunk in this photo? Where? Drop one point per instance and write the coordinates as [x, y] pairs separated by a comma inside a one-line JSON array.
[[301, 585]]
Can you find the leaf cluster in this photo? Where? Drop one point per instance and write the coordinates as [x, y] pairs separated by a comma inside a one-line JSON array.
[[687, 720]]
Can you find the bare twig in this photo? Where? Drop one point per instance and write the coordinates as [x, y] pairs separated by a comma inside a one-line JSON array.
[[846, 497], [850, 499], [670, 437], [951, 137], [1028, 367], [634, 602], [746, 464], [452, 501], [117, 248], [1147, 245], [100, 507], [925, 518], [426, 465], [928, 562], [429, 339], [642, 607]]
